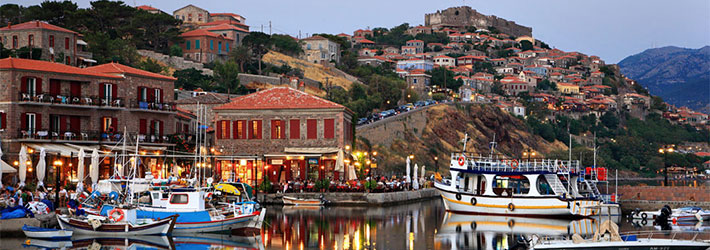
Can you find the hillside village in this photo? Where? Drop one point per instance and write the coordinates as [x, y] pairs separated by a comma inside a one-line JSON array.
[[458, 55]]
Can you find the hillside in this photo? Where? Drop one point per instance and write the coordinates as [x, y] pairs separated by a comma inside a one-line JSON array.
[[680, 75], [438, 130], [310, 70]]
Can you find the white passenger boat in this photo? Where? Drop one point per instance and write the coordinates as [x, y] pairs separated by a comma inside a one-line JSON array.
[[516, 187]]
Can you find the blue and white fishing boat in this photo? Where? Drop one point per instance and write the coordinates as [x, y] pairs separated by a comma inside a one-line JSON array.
[[46, 233]]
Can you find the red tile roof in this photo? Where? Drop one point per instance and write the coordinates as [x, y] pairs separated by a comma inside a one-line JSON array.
[[36, 25], [279, 98], [366, 41], [225, 26], [117, 68], [44, 66], [201, 32], [315, 38], [226, 14], [146, 8], [218, 22]]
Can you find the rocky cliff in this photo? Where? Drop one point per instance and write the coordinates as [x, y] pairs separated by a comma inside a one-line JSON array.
[[437, 131], [465, 16]]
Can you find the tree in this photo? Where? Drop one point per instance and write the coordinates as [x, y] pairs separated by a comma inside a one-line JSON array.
[[29, 53], [241, 56], [438, 96], [444, 77], [192, 79], [657, 103], [155, 31], [150, 65], [286, 44], [546, 85], [526, 45], [10, 13], [176, 50], [226, 76], [53, 12], [609, 120], [258, 43]]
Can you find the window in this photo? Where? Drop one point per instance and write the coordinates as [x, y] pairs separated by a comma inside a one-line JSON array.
[[414, 80], [187, 45], [108, 92], [277, 129], [223, 130], [197, 44], [158, 95], [211, 44], [14, 42], [66, 43], [3, 120], [67, 61], [240, 129], [219, 47], [143, 94], [226, 47], [329, 128], [255, 129], [30, 40], [295, 129], [179, 199], [197, 56], [308, 46], [311, 128], [31, 122], [31, 86], [107, 124], [55, 123], [51, 41]]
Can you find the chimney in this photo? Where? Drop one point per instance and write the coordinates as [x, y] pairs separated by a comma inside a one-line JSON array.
[[37, 22], [9, 25]]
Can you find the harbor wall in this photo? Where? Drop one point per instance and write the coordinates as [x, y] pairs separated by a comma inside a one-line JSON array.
[[357, 199], [655, 197]]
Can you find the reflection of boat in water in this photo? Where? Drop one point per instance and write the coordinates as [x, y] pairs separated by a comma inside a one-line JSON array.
[[217, 241], [130, 242], [50, 244], [516, 187], [98, 225]]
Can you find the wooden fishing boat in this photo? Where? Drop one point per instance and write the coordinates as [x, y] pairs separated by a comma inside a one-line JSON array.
[[89, 226], [290, 200], [46, 233]]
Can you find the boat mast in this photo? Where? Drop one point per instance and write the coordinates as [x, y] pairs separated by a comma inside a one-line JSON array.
[[465, 139], [493, 145]]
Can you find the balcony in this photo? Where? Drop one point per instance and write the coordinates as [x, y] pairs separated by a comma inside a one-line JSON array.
[[152, 106], [88, 136], [71, 101]]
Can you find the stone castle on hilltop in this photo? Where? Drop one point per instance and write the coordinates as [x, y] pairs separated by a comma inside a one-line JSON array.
[[460, 17]]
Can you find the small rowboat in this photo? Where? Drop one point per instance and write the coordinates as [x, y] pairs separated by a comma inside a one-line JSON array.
[[289, 200], [121, 228], [46, 233]]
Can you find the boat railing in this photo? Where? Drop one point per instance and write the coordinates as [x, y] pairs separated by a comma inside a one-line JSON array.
[[470, 162]]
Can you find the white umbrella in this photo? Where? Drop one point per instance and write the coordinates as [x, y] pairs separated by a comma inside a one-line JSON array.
[[80, 171], [407, 178], [422, 176], [415, 183], [23, 165], [351, 173], [339, 163], [94, 166], [41, 167]]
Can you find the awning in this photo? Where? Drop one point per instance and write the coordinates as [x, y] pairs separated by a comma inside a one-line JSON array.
[[6, 168], [315, 150], [67, 150], [81, 42]]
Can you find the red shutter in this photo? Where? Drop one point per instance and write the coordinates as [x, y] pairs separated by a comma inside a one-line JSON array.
[[23, 84], [114, 124], [62, 124], [140, 90], [3, 121], [219, 129], [258, 129], [160, 125], [23, 122], [295, 129], [329, 128], [75, 123], [226, 130], [102, 90], [161, 95], [55, 87], [114, 91], [75, 89], [38, 121], [39, 85], [151, 95], [283, 129], [273, 129], [143, 127], [311, 128], [235, 133], [250, 129]]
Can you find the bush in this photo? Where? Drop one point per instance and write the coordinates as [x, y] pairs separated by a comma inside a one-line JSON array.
[[175, 50], [265, 185]]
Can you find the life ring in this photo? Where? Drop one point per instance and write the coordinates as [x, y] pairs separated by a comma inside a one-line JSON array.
[[120, 214], [644, 222], [208, 196], [511, 223], [461, 160], [514, 164], [458, 228], [644, 216], [511, 207], [473, 225], [12, 201], [458, 196], [473, 201]]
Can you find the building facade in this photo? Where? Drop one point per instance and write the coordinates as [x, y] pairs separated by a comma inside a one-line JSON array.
[[204, 46], [291, 134], [192, 14], [318, 49], [58, 44]]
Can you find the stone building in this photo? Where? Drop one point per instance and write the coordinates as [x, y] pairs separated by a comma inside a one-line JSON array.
[[229, 31], [318, 49], [58, 44], [204, 46], [465, 16], [192, 14], [293, 135], [63, 109]]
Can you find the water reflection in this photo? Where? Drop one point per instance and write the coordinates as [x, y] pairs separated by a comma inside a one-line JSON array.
[[177, 242]]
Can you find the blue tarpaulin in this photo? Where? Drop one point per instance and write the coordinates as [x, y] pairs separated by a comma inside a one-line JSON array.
[[15, 212]]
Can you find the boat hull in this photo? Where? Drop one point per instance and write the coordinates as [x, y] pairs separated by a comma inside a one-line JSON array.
[[50, 235], [232, 225], [641, 244], [287, 200], [80, 227]]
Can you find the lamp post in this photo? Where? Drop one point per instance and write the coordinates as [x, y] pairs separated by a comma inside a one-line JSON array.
[[529, 153], [57, 170], [665, 151], [436, 163]]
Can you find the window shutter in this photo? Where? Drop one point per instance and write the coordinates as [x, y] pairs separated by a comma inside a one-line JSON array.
[[283, 129], [219, 129], [39, 85], [329, 128], [55, 87], [143, 126], [235, 133], [311, 130], [160, 125], [226, 130], [62, 124], [273, 129], [114, 124], [102, 90], [75, 124], [23, 122], [259, 129], [38, 121], [23, 84], [114, 91], [151, 95], [3, 120], [295, 129], [140, 90]]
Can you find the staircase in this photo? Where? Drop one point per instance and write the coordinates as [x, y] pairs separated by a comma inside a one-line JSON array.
[[556, 184], [592, 187]]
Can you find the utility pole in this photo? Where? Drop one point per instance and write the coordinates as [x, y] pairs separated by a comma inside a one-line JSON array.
[[269, 27], [299, 34], [262, 28]]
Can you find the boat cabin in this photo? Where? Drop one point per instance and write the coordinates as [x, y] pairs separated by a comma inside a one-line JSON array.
[[178, 201]]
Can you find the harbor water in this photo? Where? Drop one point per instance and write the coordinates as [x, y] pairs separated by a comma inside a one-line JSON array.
[[420, 225]]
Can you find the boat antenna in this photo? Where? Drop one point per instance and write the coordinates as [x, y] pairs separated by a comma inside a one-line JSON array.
[[493, 145]]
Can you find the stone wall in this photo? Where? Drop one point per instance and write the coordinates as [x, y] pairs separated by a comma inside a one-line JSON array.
[[245, 79], [659, 193], [175, 61], [384, 132], [466, 16], [358, 199]]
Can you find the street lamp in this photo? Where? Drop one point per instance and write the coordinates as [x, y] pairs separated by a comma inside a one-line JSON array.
[[436, 163], [58, 172], [665, 151], [529, 154]]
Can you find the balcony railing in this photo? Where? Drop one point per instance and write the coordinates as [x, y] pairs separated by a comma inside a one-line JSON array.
[[157, 106], [89, 101], [90, 135]]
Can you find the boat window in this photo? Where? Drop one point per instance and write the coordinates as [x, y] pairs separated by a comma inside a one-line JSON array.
[[543, 187], [156, 196], [165, 195], [178, 199], [504, 185]]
